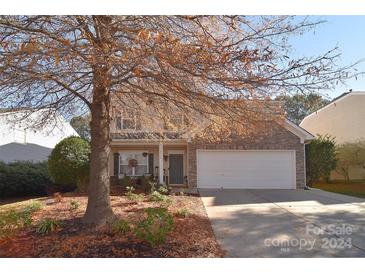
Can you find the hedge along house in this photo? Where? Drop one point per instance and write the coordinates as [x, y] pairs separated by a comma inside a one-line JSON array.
[[269, 160]]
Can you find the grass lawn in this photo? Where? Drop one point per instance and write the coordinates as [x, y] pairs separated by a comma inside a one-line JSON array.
[[192, 234], [352, 189]]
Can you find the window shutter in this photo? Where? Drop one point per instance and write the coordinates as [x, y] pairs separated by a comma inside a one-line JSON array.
[[116, 164], [118, 122], [150, 163]]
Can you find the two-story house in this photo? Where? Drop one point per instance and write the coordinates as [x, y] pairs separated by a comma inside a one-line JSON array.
[[273, 160]]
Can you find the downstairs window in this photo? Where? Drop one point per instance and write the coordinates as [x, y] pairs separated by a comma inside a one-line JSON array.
[[133, 163]]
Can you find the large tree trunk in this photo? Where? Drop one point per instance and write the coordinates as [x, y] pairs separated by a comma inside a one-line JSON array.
[[99, 210]]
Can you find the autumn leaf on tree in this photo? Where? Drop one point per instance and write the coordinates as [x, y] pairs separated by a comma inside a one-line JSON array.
[[218, 71]]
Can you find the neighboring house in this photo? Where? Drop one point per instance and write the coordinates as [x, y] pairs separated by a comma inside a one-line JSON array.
[[274, 160], [344, 119], [19, 142]]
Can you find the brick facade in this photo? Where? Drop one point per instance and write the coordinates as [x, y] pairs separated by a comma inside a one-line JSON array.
[[279, 138]]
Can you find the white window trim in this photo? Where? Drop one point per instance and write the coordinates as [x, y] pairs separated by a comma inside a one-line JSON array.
[[182, 119], [133, 168], [181, 124], [122, 118]]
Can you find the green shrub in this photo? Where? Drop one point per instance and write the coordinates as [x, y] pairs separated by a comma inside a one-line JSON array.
[[155, 186], [163, 190], [121, 226], [133, 196], [156, 196], [145, 183], [350, 155], [12, 220], [125, 181], [27, 212], [321, 158], [183, 213], [32, 207], [3, 167], [24, 179], [48, 225], [68, 163], [74, 205], [155, 227], [130, 189]]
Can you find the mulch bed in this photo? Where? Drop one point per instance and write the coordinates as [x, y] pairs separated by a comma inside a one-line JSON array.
[[191, 237]]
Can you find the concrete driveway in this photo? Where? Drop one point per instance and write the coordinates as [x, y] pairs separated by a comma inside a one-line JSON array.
[[286, 223]]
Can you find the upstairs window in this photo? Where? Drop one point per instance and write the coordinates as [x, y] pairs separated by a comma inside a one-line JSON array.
[[176, 121], [128, 121]]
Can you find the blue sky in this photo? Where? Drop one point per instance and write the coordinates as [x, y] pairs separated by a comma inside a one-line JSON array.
[[346, 32]]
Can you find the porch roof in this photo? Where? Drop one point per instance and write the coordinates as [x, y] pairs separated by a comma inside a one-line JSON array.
[[152, 136], [147, 138]]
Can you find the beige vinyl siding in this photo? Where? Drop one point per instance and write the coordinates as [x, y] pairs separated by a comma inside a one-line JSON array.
[[343, 119]]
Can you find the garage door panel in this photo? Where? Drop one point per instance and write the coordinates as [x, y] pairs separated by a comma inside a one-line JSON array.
[[246, 169]]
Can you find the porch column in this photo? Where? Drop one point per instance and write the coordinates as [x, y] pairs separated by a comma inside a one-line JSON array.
[[160, 163]]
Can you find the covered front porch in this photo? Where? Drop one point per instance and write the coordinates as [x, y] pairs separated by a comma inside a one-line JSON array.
[[145, 158]]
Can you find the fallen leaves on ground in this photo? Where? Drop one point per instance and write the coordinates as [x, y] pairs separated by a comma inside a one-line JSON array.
[[192, 236]]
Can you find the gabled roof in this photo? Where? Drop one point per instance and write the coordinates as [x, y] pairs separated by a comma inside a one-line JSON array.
[[304, 135]]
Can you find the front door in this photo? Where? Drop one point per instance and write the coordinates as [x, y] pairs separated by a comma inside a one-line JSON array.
[[176, 168]]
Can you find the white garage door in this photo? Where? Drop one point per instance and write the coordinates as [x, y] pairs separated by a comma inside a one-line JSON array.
[[246, 169]]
